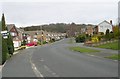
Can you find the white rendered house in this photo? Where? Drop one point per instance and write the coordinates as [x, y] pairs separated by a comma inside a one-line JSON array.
[[103, 26]]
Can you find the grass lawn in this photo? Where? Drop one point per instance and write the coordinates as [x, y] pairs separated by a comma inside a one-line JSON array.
[[113, 46], [83, 50], [114, 57]]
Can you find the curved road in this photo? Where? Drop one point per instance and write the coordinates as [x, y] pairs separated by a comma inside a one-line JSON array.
[[56, 60]]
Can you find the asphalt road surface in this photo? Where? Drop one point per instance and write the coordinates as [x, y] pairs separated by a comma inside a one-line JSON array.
[[56, 60]]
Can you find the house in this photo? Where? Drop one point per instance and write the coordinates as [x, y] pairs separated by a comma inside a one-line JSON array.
[[12, 29], [15, 35], [83, 30], [95, 30], [30, 36], [71, 30], [20, 33], [36, 35], [89, 30], [103, 26]]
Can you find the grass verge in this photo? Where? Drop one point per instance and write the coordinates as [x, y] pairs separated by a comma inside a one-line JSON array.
[[113, 46], [83, 50], [114, 57]]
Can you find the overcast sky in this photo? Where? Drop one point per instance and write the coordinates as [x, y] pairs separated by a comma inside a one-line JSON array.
[[23, 13]]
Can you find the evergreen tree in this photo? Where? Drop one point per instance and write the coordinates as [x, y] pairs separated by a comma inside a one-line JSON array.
[[4, 50], [9, 40], [107, 34], [0, 44], [10, 44], [3, 23]]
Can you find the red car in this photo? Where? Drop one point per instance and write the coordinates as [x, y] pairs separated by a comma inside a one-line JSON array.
[[32, 44]]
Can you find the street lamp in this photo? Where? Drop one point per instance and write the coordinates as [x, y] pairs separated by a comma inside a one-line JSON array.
[[42, 38]]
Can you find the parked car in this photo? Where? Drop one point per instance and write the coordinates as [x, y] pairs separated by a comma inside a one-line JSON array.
[[32, 44]]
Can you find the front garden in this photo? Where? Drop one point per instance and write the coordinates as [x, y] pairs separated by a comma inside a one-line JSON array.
[[108, 40]]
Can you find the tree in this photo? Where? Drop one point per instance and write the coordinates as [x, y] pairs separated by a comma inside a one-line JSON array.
[[10, 44], [4, 49], [107, 33], [9, 40], [116, 31], [4, 42], [3, 23], [0, 44]]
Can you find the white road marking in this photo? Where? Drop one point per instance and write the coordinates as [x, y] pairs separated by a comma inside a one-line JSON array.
[[92, 55], [49, 70], [36, 71], [41, 60]]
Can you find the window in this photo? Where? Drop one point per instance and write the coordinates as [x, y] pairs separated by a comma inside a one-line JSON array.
[[13, 34]]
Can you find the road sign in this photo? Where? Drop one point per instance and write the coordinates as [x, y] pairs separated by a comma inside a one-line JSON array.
[[4, 34]]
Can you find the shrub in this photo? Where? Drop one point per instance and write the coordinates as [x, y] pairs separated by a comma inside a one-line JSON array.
[[44, 42], [24, 42], [100, 37], [95, 39], [80, 38]]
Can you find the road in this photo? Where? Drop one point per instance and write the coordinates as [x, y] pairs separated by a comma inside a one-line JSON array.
[[56, 60]]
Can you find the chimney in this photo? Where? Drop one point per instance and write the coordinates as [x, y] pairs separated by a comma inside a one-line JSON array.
[[110, 21]]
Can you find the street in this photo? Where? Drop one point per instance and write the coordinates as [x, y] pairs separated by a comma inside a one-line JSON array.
[[56, 60]]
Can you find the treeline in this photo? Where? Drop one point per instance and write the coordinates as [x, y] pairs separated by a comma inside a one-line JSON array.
[[58, 27]]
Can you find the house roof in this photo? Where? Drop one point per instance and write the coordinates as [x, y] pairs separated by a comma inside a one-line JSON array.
[[104, 21], [10, 26], [20, 30]]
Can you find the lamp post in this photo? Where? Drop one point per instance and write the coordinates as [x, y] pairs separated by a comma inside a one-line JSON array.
[[42, 39]]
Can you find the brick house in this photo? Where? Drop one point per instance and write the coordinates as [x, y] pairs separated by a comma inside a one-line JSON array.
[[15, 34], [89, 30]]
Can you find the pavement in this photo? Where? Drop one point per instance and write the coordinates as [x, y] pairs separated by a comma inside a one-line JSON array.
[[16, 51], [56, 60]]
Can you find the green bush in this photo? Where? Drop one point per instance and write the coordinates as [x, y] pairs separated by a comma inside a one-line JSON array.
[[39, 43], [80, 38], [95, 39], [44, 42], [24, 43]]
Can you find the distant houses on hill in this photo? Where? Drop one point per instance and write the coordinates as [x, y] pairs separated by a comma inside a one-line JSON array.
[[90, 29], [19, 35]]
